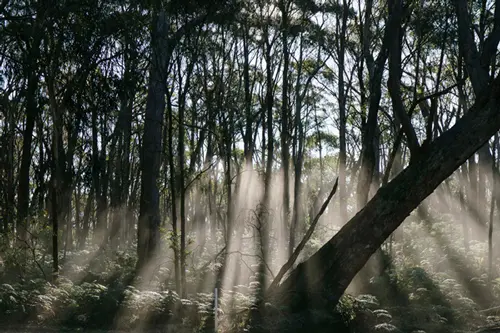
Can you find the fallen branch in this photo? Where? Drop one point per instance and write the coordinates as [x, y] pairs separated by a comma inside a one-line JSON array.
[[303, 242], [213, 259], [491, 309]]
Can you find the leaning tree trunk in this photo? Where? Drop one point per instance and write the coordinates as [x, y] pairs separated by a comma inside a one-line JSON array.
[[330, 270]]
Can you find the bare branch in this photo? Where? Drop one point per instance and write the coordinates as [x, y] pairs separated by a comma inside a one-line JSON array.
[[434, 95], [394, 83], [198, 175], [491, 43], [215, 257], [303, 242], [477, 73]]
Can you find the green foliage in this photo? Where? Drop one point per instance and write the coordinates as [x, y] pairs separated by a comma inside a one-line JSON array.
[[416, 292], [93, 305], [431, 282]]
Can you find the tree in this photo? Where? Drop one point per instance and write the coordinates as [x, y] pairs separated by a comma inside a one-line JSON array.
[[330, 270], [163, 44], [149, 219]]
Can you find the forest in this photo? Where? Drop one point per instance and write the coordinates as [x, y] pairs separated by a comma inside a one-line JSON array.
[[250, 166]]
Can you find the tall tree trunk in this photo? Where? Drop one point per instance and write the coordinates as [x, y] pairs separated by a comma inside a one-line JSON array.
[[121, 166], [24, 171], [42, 167], [57, 175], [73, 129], [462, 205], [376, 69], [148, 232], [298, 141], [82, 239], [285, 147], [127, 170], [115, 189], [173, 196], [181, 178], [100, 228], [182, 197], [264, 210], [10, 204], [31, 114], [492, 211], [342, 100], [249, 144], [78, 209], [477, 63], [262, 227], [104, 163]]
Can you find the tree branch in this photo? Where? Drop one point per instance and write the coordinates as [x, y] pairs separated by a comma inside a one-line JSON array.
[[434, 95], [303, 242], [491, 43], [198, 175], [478, 75], [394, 84]]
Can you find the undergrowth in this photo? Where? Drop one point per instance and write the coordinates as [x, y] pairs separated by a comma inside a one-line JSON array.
[[432, 283]]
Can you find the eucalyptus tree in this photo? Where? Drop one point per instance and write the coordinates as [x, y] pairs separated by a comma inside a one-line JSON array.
[[285, 7], [132, 46], [10, 83], [270, 35], [311, 38], [375, 69], [185, 19], [331, 269], [32, 42], [341, 29]]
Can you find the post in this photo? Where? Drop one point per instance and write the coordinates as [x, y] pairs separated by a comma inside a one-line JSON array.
[[215, 309]]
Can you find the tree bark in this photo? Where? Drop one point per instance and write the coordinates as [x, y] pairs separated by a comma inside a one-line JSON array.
[[148, 232], [285, 147], [57, 175], [24, 172], [394, 83], [173, 196], [261, 225], [248, 141], [376, 70], [297, 154], [492, 212], [182, 193], [31, 115], [82, 238], [100, 227], [8, 224], [342, 100]]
